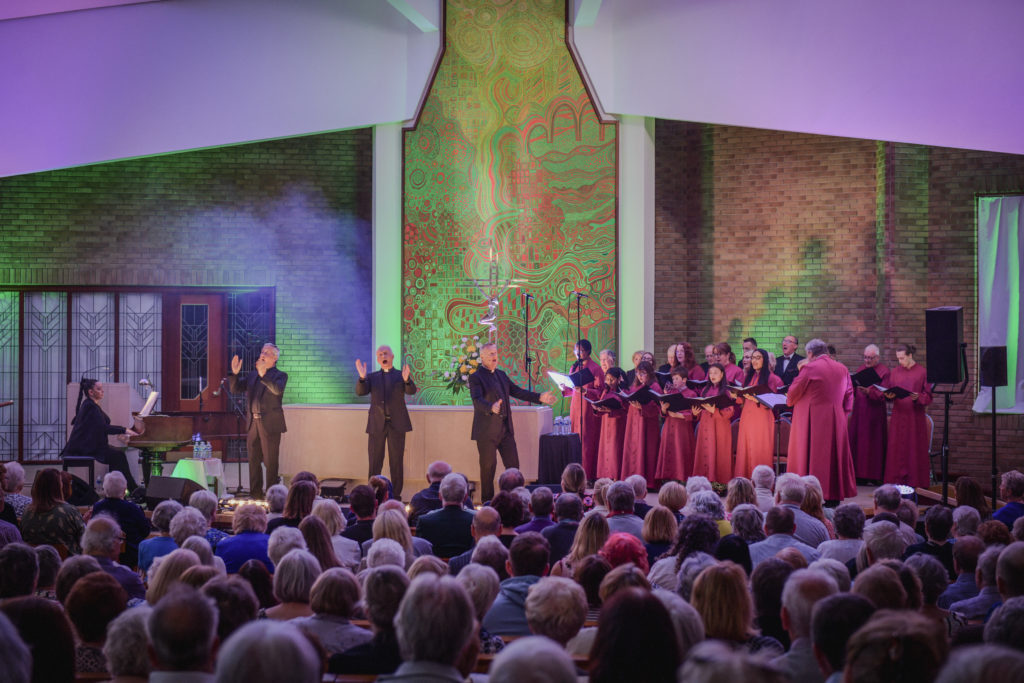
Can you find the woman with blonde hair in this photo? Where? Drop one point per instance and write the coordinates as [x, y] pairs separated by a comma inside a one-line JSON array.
[[392, 524], [722, 598], [346, 549], [167, 570], [673, 495], [659, 531], [739, 491], [590, 538], [600, 501]]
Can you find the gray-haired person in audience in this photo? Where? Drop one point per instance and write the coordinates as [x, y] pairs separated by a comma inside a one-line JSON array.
[[1006, 624], [748, 523], [206, 502], [763, 478], [127, 645], [491, 552], [965, 521], [988, 593], [803, 589], [989, 663], [268, 652], [333, 599], [276, 496], [790, 491], [102, 539], [849, 522], [482, 585], [188, 522], [182, 630], [293, 581], [386, 551], [282, 541], [383, 590], [887, 499], [162, 543], [882, 541], [535, 659], [556, 607], [689, 626], [250, 541], [780, 527], [13, 483], [689, 571], [621, 517], [1010, 571]]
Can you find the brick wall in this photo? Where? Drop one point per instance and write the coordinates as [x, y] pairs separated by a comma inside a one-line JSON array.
[[293, 214], [764, 233]]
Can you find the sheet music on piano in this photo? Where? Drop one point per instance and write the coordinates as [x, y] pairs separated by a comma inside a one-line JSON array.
[[150, 402]]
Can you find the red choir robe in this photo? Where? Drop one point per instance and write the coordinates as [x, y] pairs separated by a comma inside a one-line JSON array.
[[581, 412], [868, 428], [734, 375], [713, 451], [697, 374], [640, 444], [613, 433], [675, 454], [906, 460], [818, 441], [755, 442]]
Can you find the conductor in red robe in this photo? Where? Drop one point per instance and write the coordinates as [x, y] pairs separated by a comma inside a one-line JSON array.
[[868, 421], [821, 395], [585, 421], [909, 434]]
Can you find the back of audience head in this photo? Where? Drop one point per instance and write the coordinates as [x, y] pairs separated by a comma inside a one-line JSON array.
[[556, 607], [697, 483], [362, 501], [529, 555], [204, 501], [601, 490], [622, 548], [834, 620], [385, 551], [568, 506], [938, 523], [713, 661], [994, 532], [188, 522], [511, 479], [427, 564], [183, 631], [93, 603], [802, 591], [590, 573], [748, 523], [639, 484], [763, 477], [767, 582], [574, 479], [453, 489], [969, 492], [883, 540], [887, 497], [965, 521], [621, 498], [435, 620], [492, 553], [236, 603], [283, 540], [896, 645], [882, 586], [907, 513], [43, 632], [708, 503], [114, 485], [542, 502], [697, 533], [198, 576], [733, 548], [276, 495], [635, 640], [49, 565], [482, 585], [383, 590], [966, 552], [168, 572], [986, 663], [20, 574], [1010, 571], [267, 651], [660, 525], [591, 536], [163, 513], [318, 541], [533, 658], [299, 502], [672, 495], [127, 644], [849, 521], [721, 596], [933, 576], [201, 547], [294, 576], [102, 537], [1005, 626], [793, 557], [71, 570], [624, 576], [1018, 529], [509, 507], [791, 491], [739, 491], [259, 578], [779, 520], [834, 568], [335, 593], [688, 572], [688, 624]]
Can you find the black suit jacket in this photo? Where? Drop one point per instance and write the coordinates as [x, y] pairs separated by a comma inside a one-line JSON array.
[[485, 388], [447, 529], [89, 435], [265, 392], [386, 389], [561, 537], [790, 374]]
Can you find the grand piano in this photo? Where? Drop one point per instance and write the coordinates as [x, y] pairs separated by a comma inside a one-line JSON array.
[[162, 433]]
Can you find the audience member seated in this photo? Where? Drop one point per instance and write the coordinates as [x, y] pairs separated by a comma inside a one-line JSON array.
[[20, 571], [589, 574], [282, 541], [763, 478], [391, 524], [994, 533], [733, 548], [45, 632], [767, 582], [713, 661], [621, 516], [12, 483], [896, 645], [293, 581], [50, 520], [167, 571], [201, 547], [127, 646], [569, 511], [162, 543], [882, 541], [427, 564], [623, 548], [94, 601], [639, 484], [364, 506], [791, 491], [128, 515], [834, 620], [259, 578], [988, 592], [72, 569], [836, 569], [748, 523], [780, 527], [510, 480], [574, 480], [591, 535], [449, 529], [436, 632], [848, 521], [1012, 491], [882, 586], [268, 652], [965, 521], [803, 590], [1018, 529], [966, 551], [527, 563], [206, 502], [482, 585], [688, 625], [658, 532], [318, 542], [9, 532], [486, 522], [938, 522], [601, 495], [721, 597], [556, 607], [333, 599], [542, 502], [429, 499], [188, 522], [635, 640], [510, 509], [709, 503], [347, 551], [235, 600], [297, 505], [934, 580], [102, 539], [988, 663], [276, 496], [532, 658], [383, 590], [626, 575], [793, 557], [739, 491], [250, 540], [697, 534], [1005, 626], [386, 552], [672, 495], [1010, 571], [887, 499], [49, 565]]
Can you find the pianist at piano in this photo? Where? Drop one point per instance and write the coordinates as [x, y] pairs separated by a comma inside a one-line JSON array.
[[90, 428]]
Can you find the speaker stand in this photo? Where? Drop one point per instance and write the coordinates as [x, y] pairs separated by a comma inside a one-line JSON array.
[[944, 454], [995, 468]]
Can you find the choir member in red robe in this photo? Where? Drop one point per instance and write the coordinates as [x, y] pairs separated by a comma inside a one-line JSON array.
[[755, 443], [821, 395], [868, 421], [640, 447], [733, 372], [607, 359], [685, 356], [670, 362], [906, 461], [585, 421], [713, 451], [613, 426], [675, 454]]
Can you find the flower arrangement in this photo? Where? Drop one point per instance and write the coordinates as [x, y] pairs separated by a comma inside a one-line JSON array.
[[465, 361]]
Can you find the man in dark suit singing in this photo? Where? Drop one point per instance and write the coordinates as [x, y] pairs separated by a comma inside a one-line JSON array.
[[264, 389], [490, 389], [787, 365], [388, 418]]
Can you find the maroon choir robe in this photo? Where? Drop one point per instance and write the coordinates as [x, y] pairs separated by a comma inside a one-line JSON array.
[[906, 460], [868, 428], [734, 374], [613, 433], [712, 456], [755, 442], [818, 440], [697, 374], [675, 454], [581, 412], [640, 445]]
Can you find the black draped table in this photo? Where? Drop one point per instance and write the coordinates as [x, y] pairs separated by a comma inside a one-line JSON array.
[[557, 451]]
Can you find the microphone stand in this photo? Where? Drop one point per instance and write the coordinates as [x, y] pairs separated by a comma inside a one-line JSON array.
[[239, 417], [527, 359]]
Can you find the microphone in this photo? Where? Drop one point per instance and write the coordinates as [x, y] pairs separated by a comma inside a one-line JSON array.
[[220, 387], [143, 382], [528, 296], [580, 294]]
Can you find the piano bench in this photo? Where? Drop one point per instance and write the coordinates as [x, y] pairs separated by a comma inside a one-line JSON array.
[[82, 461]]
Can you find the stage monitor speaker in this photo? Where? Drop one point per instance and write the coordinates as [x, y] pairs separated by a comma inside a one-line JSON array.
[[170, 488], [944, 335], [993, 366], [81, 493]]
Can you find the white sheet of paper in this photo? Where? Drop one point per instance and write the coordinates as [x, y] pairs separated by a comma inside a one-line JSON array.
[[150, 402], [561, 380]]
